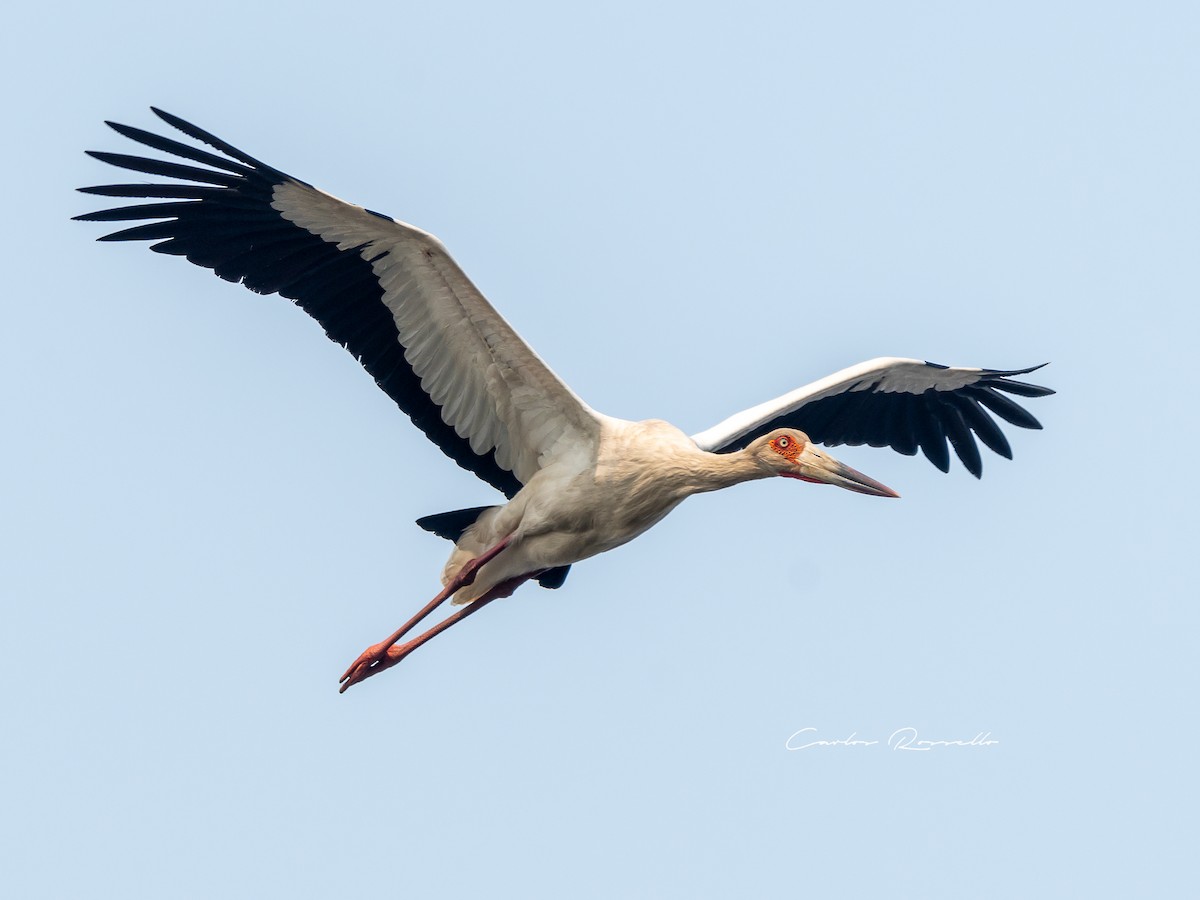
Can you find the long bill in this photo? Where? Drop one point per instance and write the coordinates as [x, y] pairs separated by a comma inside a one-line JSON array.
[[821, 468]]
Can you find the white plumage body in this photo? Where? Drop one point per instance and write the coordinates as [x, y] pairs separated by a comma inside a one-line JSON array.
[[592, 502]]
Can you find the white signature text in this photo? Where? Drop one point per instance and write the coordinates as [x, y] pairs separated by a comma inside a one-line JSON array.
[[901, 739]]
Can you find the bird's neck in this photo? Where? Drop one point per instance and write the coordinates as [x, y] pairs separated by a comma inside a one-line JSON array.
[[713, 471]]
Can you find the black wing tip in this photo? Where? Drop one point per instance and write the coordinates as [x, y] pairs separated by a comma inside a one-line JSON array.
[[990, 382], [1005, 373], [195, 132], [103, 190], [167, 117], [125, 130], [1025, 371], [1029, 421], [997, 375], [178, 123], [1001, 379], [129, 131], [942, 465]]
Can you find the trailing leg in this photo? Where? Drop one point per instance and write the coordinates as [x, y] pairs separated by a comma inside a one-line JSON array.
[[393, 653], [465, 576]]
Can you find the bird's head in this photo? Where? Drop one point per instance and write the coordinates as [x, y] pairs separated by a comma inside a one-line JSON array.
[[790, 453]]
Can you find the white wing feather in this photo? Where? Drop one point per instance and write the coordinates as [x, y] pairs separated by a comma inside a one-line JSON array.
[[492, 388]]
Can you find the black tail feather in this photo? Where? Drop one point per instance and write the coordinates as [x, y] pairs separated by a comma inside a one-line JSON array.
[[451, 525]]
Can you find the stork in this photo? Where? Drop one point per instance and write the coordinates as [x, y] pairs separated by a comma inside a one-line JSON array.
[[577, 482]]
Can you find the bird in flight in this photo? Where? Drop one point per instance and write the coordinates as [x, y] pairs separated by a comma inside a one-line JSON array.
[[577, 482]]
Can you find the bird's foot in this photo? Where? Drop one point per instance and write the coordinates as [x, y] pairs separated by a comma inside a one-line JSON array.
[[372, 661], [385, 654]]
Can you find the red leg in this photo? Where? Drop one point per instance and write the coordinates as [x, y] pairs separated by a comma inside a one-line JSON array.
[[465, 576], [393, 654]]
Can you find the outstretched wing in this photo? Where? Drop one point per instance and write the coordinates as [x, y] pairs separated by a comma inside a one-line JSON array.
[[889, 402], [386, 291]]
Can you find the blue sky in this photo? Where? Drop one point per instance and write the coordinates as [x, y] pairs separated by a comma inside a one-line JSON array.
[[686, 210]]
